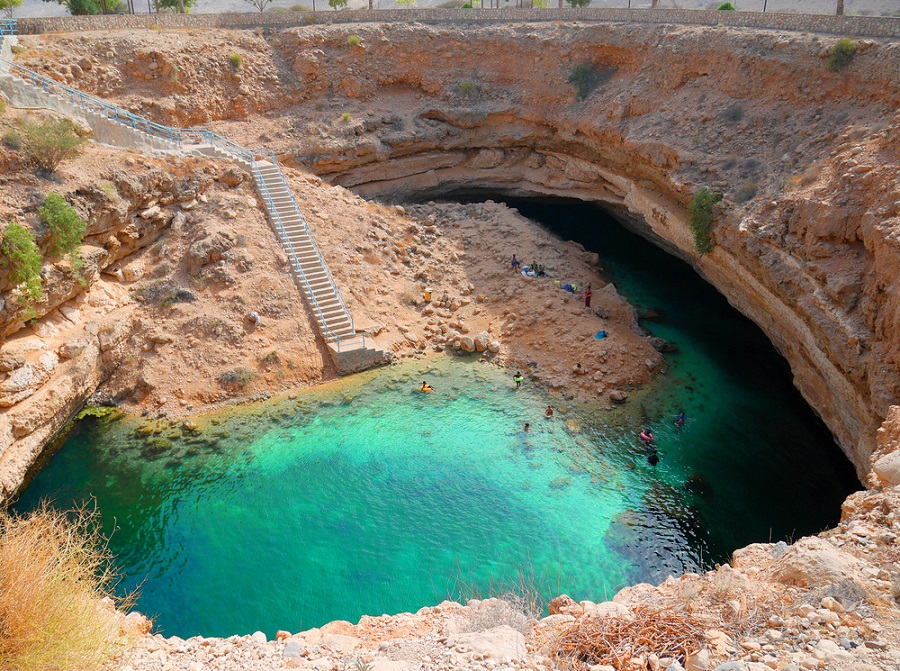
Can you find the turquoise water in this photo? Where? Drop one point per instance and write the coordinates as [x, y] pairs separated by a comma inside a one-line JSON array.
[[368, 497]]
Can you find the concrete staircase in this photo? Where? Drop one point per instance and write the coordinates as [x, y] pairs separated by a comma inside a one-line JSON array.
[[351, 350]]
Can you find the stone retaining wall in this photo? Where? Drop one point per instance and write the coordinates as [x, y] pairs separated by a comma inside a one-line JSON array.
[[858, 26]]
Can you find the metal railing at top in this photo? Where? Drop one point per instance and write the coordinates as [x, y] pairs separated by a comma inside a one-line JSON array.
[[8, 26], [178, 136], [196, 136]]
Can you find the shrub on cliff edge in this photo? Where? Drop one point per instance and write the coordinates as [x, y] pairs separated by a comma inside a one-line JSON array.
[[56, 593], [50, 143], [841, 54], [22, 259], [726, 7], [701, 219], [67, 229]]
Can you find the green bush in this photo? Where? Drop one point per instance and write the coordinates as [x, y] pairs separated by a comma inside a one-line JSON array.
[[701, 219], [579, 3], [2, 106], [346, 118], [236, 60], [67, 229], [468, 87], [239, 377], [726, 7], [582, 77], [22, 259], [842, 53], [585, 77], [353, 41], [12, 139], [50, 143]]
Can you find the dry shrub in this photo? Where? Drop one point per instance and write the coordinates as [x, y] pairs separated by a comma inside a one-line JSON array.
[[616, 640], [56, 593]]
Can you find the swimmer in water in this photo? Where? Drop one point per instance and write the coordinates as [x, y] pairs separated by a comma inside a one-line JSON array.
[[653, 459], [679, 418], [646, 435], [426, 387], [517, 378], [527, 427], [549, 412]]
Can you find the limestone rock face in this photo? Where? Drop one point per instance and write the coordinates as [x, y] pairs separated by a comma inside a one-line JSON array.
[[813, 561]]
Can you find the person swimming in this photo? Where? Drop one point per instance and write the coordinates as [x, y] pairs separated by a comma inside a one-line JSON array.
[[549, 412], [426, 387], [679, 418], [646, 435], [653, 459], [527, 427], [517, 378]]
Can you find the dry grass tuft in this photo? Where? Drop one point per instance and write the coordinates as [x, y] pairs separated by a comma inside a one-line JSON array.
[[56, 584], [615, 641]]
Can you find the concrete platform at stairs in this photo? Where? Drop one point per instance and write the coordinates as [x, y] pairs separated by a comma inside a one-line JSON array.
[[356, 354]]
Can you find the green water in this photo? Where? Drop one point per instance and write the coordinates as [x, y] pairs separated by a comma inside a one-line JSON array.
[[370, 498]]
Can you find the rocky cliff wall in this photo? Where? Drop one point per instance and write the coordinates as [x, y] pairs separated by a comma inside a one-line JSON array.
[[634, 118]]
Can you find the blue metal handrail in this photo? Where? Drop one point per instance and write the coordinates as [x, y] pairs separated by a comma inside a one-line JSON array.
[[195, 136], [295, 262], [8, 26]]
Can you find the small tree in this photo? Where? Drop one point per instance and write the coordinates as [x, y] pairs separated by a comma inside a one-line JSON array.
[[579, 3], [22, 259], [67, 229], [79, 7], [259, 4], [9, 6], [701, 219], [184, 6], [842, 53], [840, 8], [726, 7], [50, 143]]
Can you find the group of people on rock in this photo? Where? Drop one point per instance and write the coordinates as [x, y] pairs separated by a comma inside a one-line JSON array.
[[537, 270]]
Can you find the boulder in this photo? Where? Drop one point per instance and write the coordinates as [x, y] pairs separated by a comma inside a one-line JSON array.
[[501, 642], [11, 361], [494, 346], [211, 248], [618, 396], [482, 340], [69, 350], [134, 271], [466, 344], [888, 468], [697, 661], [339, 643], [813, 561], [565, 605], [232, 177]]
